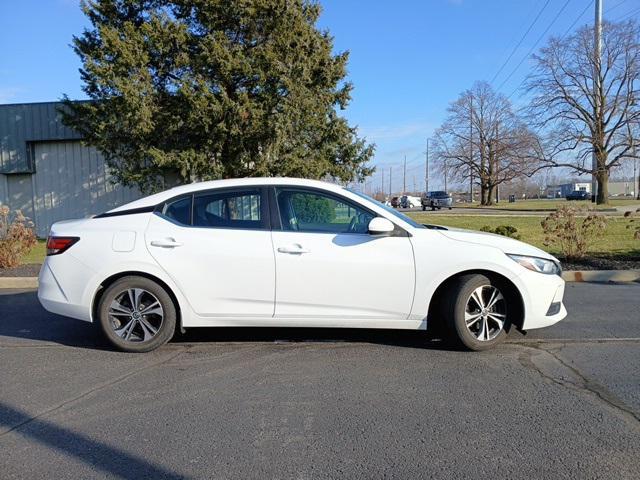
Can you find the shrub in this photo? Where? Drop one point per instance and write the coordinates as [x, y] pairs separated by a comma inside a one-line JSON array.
[[632, 226], [16, 237], [504, 230], [571, 234]]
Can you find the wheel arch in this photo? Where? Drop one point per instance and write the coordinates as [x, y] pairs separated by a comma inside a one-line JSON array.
[[135, 273], [435, 322]]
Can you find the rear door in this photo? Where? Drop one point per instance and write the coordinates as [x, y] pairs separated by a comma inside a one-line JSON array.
[[216, 245]]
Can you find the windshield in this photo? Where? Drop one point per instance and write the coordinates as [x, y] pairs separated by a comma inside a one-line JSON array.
[[389, 209]]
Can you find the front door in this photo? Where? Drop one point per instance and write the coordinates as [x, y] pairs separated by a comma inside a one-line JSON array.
[[216, 246], [328, 266]]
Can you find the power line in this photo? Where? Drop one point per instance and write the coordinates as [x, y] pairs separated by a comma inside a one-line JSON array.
[[520, 42], [615, 6], [535, 44], [577, 19], [563, 36], [627, 15]]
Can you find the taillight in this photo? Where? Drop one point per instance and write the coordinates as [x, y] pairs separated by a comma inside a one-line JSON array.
[[57, 245]]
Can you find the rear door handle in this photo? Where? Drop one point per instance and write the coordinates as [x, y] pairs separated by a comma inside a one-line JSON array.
[[165, 243], [293, 249]]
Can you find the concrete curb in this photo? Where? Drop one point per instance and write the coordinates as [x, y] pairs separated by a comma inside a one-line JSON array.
[[601, 276], [18, 282], [595, 276]]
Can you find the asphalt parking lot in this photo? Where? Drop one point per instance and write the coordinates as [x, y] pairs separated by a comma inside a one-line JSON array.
[[563, 402]]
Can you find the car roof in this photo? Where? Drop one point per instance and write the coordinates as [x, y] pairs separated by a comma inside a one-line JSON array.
[[160, 197]]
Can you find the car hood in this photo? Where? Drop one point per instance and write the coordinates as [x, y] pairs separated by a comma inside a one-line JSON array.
[[506, 244]]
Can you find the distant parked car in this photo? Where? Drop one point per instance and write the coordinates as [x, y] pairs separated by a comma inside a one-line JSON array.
[[407, 201], [579, 195], [395, 202], [437, 199]]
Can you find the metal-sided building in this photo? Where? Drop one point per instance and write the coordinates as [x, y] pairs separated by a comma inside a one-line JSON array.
[[46, 171]]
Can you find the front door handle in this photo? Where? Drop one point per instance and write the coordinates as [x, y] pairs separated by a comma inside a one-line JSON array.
[[165, 243], [294, 249]]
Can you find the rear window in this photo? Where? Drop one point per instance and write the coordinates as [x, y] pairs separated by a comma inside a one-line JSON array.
[[178, 210]]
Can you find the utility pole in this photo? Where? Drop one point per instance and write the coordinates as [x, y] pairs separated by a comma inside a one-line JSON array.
[[382, 183], [404, 176], [390, 188], [597, 42], [471, 150], [414, 184], [426, 170]]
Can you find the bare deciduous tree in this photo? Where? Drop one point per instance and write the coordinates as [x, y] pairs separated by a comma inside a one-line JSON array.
[[585, 105], [483, 140]]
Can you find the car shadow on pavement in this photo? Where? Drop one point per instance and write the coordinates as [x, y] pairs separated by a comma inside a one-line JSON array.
[[397, 338], [22, 319], [95, 454]]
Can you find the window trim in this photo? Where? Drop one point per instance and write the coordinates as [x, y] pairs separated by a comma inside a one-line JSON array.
[[265, 223], [277, 219]]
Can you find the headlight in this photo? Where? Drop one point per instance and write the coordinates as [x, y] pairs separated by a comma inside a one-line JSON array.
[[541, 265]]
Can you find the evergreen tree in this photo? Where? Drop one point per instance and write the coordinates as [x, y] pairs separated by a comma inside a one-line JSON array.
[[207, 89]]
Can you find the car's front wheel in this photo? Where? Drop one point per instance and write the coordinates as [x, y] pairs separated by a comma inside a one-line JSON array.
[[136, 314], [477, 310]]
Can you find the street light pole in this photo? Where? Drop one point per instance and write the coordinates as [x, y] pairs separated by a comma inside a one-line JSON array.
[[404, 176], [426, 170]]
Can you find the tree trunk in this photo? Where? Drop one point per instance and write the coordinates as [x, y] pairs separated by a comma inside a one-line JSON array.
[[490, 195], [602, 178]]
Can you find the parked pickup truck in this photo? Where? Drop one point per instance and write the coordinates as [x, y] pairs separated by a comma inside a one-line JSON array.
[[437, 200]]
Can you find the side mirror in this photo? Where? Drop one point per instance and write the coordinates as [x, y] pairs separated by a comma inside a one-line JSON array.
[[380, 226]]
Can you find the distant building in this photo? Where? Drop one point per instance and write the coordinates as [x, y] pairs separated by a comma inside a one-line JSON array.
[[47, 173], [561, 191], [616, 189]]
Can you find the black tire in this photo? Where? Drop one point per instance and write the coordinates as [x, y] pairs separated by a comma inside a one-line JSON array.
[[450, 208], [433, 209], [456, 305], [423, 208], [110, 319]]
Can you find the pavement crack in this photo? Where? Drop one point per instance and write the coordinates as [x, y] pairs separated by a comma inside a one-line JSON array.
[[583, 383], [90, 391]]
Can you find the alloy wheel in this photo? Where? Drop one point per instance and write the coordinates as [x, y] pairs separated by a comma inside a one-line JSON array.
[[136, 315], [485, 313]]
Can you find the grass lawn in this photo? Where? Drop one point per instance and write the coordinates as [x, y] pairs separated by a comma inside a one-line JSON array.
[[37, 253], [552, 204], [617, 241]]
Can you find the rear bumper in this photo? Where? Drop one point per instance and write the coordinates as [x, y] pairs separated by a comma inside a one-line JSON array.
[[63, 300]]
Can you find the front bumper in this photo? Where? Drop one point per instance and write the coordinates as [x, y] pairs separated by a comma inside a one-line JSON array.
[[544, 305]]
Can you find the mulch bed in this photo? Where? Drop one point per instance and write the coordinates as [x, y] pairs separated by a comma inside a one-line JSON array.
[[28, 270], [599, 263]]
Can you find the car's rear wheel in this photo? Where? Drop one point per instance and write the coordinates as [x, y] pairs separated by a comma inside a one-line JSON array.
[[477, 311], [136, 314]]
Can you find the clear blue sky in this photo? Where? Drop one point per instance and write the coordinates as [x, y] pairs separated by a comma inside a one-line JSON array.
[[409, 58]]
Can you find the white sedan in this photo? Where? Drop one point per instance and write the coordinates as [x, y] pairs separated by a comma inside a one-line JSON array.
[[284, 252]]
